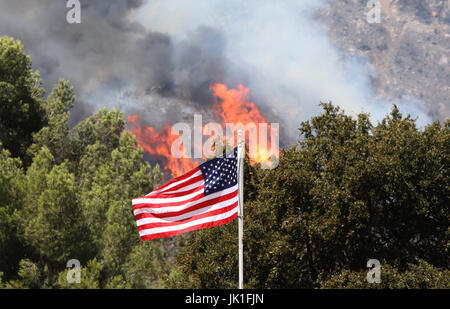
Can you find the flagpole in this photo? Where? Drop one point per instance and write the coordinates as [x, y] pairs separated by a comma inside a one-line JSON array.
[[241, 156]]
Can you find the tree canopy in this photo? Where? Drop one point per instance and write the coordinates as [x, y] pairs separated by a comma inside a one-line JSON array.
[[348, 191], [21, 96]]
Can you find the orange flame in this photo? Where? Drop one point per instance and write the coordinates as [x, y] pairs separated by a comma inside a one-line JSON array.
[[233, 106], [158, 144], [230, 105]]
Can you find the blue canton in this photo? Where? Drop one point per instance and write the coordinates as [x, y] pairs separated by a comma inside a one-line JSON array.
[[220, 173]]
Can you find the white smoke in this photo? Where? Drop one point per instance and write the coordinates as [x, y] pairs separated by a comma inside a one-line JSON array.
[[282, 53]]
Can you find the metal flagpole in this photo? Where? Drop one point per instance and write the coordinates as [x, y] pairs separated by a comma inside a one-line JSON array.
[[241, 155]]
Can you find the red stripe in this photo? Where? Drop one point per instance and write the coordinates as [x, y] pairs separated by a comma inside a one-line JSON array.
[[187, 220], [166, 194], [190, 173], [184, 184], [210, 202], [178, 194], [168, 204], [191, 228]]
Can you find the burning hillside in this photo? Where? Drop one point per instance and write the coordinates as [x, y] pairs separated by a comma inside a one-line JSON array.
[[233, 110]]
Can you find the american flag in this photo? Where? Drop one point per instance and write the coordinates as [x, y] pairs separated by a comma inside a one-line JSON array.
[[204, 197]]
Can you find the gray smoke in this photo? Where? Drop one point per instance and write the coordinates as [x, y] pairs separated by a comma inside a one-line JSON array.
[[158, 58]]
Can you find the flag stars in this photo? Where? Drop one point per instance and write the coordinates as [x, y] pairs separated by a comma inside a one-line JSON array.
[[219, 174]]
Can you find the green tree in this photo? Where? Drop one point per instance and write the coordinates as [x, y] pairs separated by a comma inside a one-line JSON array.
[[28, 274], [21, 96], [55, 135], [73, 198], [11, 200], [416, 276], [146, 266], [89, 277], [81, 208], [104, 127], [52, 216], [349, 191], [115, 182]]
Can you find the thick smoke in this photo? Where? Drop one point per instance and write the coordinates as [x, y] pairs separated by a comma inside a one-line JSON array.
[[158, 58]]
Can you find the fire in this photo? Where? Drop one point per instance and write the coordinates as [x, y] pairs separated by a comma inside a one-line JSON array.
[[233, 106], [230, 106], [158, 144]]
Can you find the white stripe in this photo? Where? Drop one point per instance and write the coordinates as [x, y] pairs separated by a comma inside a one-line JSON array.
[[159, 210], [163, 200], [189, 224], [190, 214], [198, 173], [184, 189]]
